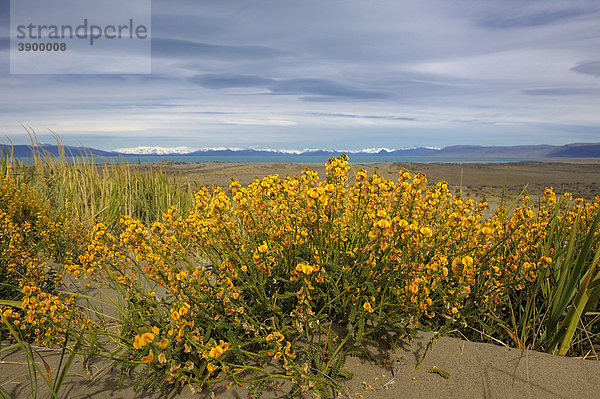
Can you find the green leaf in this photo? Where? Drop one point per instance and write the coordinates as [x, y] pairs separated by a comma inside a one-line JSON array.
[[371, 288], [15, 304]]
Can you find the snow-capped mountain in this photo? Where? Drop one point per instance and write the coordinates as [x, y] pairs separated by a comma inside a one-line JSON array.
[[575, 150], [144, 150]]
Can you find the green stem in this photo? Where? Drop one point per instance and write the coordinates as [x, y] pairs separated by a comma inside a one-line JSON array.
[[339, 348]]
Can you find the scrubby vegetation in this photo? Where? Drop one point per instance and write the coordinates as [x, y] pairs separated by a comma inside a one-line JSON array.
[[285, 277]]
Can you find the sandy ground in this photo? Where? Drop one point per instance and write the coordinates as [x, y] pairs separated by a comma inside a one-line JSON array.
[[581, 178], [475, 370]]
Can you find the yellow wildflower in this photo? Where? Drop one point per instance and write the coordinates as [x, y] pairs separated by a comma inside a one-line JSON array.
[[149, 358], [277, 336], [143, 340], [215, 352], [263, 248], [383, 224], [426, 231], [305, 268]]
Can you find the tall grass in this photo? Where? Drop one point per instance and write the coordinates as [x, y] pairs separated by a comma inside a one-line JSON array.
[[80, 187], [558, 312]]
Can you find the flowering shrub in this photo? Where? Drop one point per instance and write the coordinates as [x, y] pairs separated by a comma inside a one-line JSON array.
[[285, 277], [30, 235]]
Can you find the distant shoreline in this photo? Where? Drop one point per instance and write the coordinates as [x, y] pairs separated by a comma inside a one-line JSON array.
[[451, 154], [320, 159]]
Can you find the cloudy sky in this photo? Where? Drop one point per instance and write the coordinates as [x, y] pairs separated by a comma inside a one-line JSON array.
[[331, 74]]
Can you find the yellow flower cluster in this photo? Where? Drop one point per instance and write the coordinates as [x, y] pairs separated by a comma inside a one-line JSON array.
[[30, 235], [145, 338], [276, 263]]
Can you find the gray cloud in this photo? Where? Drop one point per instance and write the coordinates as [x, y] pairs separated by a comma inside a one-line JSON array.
[[531, 20], [226, 81], [359, 116], [325, 87], [318, 89], [588, 67], [171, 25], [175, 48], [561, 91], [4, 10]]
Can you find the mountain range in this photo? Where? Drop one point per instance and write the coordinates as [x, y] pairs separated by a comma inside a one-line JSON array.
[[575, 150]]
